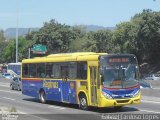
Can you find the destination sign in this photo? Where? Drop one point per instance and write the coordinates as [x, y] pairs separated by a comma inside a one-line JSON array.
[[118, 60]]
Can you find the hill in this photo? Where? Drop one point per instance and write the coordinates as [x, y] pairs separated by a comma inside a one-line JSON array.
[[11, 32], [96, 28]]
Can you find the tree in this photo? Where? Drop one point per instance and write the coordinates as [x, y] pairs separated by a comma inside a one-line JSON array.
[[23, 45], [3, 44], [103, 40], [140, 36], [148, 35], [55, 36], [2, 36], [124, 38], [79, 38]]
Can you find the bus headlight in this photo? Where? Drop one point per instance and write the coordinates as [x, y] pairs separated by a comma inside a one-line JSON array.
[[136, 93], [106, 95]]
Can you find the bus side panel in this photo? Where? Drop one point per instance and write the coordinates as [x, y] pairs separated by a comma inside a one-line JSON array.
[[52, 89], [64, 92], [31, 87], [57, 91], [72, 92]]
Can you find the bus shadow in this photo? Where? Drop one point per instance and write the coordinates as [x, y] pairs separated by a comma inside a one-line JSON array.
[[60, 104], [113, 110], [31, 100], [91, 109]]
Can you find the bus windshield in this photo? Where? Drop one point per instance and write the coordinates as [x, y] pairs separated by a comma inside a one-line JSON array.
[[15, 68], [119, 71]]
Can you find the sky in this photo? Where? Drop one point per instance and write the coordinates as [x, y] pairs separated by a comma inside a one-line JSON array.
[[107, 13]]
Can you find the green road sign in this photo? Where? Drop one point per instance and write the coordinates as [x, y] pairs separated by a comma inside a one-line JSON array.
[[39, 49]]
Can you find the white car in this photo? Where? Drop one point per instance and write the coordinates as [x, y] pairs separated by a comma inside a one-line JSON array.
[[153, 77]]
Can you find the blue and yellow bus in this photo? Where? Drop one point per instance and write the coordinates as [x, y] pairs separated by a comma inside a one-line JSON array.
[[84, 78]]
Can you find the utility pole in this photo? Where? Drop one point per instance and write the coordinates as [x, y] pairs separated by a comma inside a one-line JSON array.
[[17, 32], [29, 53]]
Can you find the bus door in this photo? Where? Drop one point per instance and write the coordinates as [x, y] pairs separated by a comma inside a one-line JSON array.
[[93, 83], [65, 84]]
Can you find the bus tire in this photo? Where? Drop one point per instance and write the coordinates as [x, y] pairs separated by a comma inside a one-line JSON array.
[[83, 104], [42, 96]]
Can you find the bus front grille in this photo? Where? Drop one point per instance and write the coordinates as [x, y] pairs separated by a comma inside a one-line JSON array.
[[122, 101]]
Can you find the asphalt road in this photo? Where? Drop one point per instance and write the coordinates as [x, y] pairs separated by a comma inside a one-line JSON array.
[[30, 108]]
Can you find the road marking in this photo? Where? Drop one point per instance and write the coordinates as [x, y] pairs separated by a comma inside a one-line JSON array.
[[4, 85], [10, 92], [156, 102], [26, 114], [56, 107], [40, 118], [149, 111], [8, 98]]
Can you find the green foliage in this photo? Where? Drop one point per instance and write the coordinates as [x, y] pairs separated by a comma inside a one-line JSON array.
[[139, 36], [10, 49], [124, 38], [148, 35], [2, 45], [55, 36], [2, 36], [103, 40]]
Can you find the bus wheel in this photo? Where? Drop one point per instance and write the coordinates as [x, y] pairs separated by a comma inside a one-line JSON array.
[[42, 96], [83, 102]]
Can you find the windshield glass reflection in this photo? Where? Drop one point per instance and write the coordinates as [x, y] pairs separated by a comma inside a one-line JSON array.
[[119, 75]]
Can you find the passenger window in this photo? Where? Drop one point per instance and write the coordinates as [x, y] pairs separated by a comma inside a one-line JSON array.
[[49, 70], [41, 70], [82, 70], [25, 70], [64, 71], [72, 70], [56, 71], [32, 70]]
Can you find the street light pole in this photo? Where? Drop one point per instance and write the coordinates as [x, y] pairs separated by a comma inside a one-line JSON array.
[[17, 33]]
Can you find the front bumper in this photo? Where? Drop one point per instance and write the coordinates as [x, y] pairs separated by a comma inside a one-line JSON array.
[[104, 102]]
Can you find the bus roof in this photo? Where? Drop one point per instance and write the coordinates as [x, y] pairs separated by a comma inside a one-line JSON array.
[[63, 57], [19, 63], [73, 54]]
